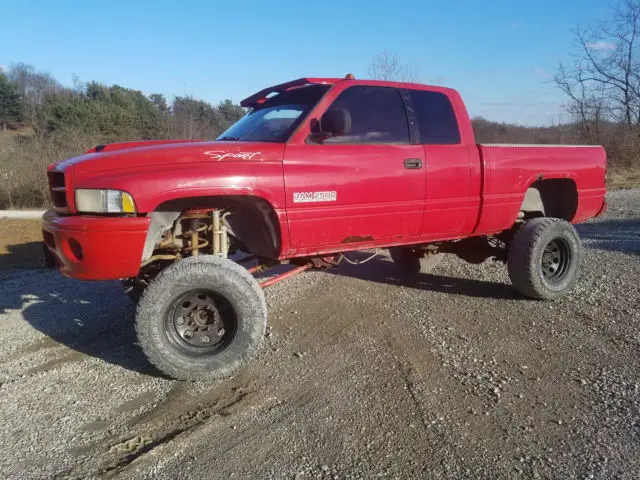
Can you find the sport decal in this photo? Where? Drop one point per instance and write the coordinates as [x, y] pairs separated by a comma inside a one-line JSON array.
[[219, 156], [306, 197]]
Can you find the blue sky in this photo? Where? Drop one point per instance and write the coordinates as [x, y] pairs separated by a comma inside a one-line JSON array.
[[498, 53]]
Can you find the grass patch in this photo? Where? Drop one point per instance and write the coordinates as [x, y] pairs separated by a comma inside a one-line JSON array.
[[619, 178]]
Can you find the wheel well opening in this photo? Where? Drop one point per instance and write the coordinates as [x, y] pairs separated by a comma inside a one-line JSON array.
[[555, 197], [253, 221]]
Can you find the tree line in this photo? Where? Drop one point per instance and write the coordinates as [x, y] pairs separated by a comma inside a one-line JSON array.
[[37, 100]]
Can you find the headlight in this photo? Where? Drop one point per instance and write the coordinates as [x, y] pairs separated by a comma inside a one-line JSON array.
[[104, 201]]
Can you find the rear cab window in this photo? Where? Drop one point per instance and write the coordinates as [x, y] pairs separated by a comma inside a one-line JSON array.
[[437, 122]]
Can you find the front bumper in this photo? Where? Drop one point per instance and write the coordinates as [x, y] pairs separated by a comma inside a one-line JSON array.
[[94, 247]]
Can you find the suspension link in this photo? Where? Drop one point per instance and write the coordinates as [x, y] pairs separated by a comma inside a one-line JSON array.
[[220, 234]]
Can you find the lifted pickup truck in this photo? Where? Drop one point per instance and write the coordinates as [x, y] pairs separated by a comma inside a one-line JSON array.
[[316, 168]]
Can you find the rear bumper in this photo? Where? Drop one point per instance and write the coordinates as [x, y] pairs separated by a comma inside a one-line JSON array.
[[92, 247]]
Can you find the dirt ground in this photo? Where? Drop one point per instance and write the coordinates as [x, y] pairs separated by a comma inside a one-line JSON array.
[[20, 244], [364, 373]]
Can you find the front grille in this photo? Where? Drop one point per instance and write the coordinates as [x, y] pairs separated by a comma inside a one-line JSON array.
[[58, 190]]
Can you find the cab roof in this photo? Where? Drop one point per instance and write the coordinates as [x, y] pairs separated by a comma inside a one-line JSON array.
[[260, 97]]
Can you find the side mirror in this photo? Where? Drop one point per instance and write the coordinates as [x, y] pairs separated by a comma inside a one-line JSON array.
[[334, 123]]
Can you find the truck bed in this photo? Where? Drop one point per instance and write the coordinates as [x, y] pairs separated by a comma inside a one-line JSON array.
[[508, 170]]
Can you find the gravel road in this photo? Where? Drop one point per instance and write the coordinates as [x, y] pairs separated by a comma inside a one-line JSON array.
[[364, 374]]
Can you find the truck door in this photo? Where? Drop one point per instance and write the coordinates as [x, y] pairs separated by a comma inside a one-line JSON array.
[[451, 198], [365, 185]]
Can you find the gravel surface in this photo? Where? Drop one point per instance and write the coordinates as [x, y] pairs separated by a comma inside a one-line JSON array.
[[364, 373]]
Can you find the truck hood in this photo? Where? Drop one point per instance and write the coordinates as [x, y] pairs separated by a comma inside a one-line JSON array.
[[150, 155]]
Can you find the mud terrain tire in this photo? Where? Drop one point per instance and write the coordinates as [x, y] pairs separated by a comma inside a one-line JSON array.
[[544, 258], [218, 302]]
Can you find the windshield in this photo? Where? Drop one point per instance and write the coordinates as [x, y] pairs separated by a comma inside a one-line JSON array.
[[277, 118]]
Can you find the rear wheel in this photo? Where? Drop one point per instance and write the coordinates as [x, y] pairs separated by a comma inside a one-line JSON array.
[[544, 258], [412, 261], [201, 318]]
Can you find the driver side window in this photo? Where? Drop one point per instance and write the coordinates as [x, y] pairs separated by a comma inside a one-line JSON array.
[[376, 114]]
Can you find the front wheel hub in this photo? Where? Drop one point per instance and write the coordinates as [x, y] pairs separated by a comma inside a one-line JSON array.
[[196, 322]]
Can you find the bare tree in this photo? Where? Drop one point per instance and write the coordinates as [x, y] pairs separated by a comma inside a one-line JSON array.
[[586, 105], [604, 81], [387, 66], [602, 85]]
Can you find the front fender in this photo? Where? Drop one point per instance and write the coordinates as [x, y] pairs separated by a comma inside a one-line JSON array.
[[152, 186]]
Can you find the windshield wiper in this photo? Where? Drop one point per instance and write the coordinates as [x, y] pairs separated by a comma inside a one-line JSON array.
[[229, 139]]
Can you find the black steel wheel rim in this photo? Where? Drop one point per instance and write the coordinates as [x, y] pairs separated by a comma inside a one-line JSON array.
[[556, 260], [200, 322]]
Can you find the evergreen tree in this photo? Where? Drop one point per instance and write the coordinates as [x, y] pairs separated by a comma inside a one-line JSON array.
[[11, 104], [230, 112]]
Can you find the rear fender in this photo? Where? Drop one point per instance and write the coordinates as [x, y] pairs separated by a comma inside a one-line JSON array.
[[552, 197]]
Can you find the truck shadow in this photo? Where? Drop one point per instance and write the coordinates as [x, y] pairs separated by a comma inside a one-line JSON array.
[[93, 318], [383, 270], [618, 235], [23, 255]]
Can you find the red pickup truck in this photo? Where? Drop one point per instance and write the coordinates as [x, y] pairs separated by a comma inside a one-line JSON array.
[[316, 168]]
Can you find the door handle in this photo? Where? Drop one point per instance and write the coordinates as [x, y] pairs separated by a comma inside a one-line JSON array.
[[412, 163]]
